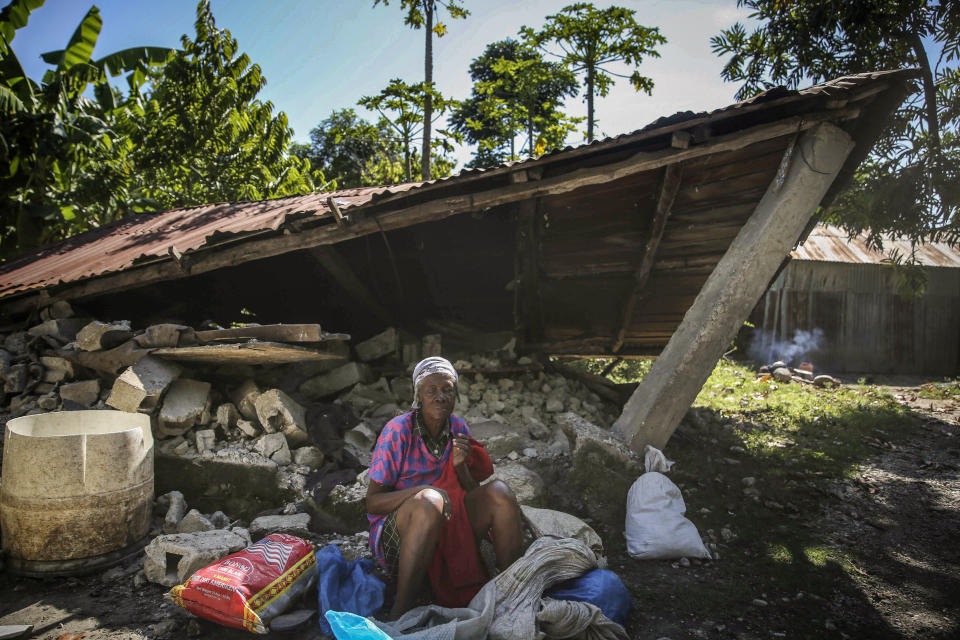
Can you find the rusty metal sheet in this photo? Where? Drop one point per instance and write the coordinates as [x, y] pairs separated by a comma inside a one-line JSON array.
[[832, 244]]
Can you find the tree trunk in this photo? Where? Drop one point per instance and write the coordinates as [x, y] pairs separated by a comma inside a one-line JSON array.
[[428, 7], [929, 97], [589, 104], [530, 149]]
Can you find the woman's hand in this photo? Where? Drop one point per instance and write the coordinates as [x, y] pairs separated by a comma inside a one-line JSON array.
[[461, 450]]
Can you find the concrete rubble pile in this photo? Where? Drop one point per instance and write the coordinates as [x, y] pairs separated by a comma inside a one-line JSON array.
[[284, 447]]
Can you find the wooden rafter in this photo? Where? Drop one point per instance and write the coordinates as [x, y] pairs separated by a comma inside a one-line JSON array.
[[334, 264], [669, 187]]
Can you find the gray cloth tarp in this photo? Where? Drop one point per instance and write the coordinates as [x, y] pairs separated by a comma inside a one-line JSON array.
[[512, 606]]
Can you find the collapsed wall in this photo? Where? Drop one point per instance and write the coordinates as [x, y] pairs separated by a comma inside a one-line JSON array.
[[250, 445]]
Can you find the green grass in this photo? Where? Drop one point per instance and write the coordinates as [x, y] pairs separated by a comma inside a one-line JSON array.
[[947, 390]]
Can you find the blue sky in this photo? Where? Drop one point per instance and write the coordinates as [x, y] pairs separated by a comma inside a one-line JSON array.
[[321, 55]]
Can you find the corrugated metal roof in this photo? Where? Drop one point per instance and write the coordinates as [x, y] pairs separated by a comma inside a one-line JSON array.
[[152, 237], [832, 244]]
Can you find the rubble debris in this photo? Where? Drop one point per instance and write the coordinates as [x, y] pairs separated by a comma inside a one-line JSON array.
[[57, 369], [57, 310], [142, 384], [61, 329], [110, 361], [193, 522], [176, 510], [297, 524], [83, 392], [206, 440], [782, 374], [381, 345], [227, 416], [309, 456], [97, 336], [166, 335], [431, 345], [187, 403], [525, 483], [171, 559], [245, 397], [339, 379], [278, 412], [274, 446], [248, 428]]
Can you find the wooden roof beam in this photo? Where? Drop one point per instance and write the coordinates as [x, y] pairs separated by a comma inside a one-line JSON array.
[[334, 264], [669, 187]]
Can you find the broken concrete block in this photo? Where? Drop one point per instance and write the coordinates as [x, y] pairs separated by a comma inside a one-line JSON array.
[[344, 510], [84, 392], [142, 384], [297, 524], [162, 335], [57, 310], [278, 412], [206, 440], [227, 416], [183, 406], [559, 445], [337, 380], [175, 512], [16, 378], [431, 345], [62, 329], [244, 398], [55, 364], [97, 335], [171, 559], [386, 343], [361, 436], [273, 446], [47, 402], [248, 428], [220, 520], [309, 456], [364, 397], [525, 483], [244, 533], [194, 521]]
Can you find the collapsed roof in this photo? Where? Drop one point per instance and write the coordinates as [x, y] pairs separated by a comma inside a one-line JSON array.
[[593, 250]]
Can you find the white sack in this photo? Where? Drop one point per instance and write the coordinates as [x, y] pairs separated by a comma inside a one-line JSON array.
[[655, 526]]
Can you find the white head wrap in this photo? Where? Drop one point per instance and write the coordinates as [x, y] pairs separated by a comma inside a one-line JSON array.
[[428, 367]]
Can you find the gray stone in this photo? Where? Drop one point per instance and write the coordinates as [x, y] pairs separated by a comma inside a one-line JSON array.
[[100, 335], [344, 510], [244, 533], [206, 440], [57, 310], [363, 398], [402, 389], [61, 367], [220, 520], [559, 444], [537, 429], [530, 452], [175, 512], [273, 446], [279, 413], [165, 335], [295, 525], [554, 405], [172, 559], [194, 521], [84, 392], [16, 378], [63, 329], [526, 484], [431, 345], [48, 402], [782, 374], [185, 405], [386, 343], [337, 380], [141, 385], [227, 416], [826, 381], [248, 428], [16, 342], [309, 456], [245, 397]]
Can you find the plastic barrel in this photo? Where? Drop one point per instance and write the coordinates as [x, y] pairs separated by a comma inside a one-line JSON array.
[[76, 492]]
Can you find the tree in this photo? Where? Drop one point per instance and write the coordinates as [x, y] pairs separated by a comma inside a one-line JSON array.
[[422, 14], [64, 164], [403, 107], [909, 185], [352, 152], [205, 137], [514, 91], [590, 39]]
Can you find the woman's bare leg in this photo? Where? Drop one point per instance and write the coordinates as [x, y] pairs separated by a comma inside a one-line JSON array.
[[419, 524], [493, 507]]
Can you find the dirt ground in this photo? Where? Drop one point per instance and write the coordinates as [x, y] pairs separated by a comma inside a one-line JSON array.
[[873, 555]]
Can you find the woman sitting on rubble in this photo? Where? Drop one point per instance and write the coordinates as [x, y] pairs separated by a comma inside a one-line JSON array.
[[412, 516]]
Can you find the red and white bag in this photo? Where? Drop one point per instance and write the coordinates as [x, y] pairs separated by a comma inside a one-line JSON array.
[[249, 588]]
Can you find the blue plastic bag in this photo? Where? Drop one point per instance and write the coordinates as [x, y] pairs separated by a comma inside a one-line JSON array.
[[600, 587], [346, 586], [350, 626]]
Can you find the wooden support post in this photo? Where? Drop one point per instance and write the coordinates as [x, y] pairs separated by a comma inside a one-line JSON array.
[[528, 277], [331, 260], [733, 288], [672, 175]]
